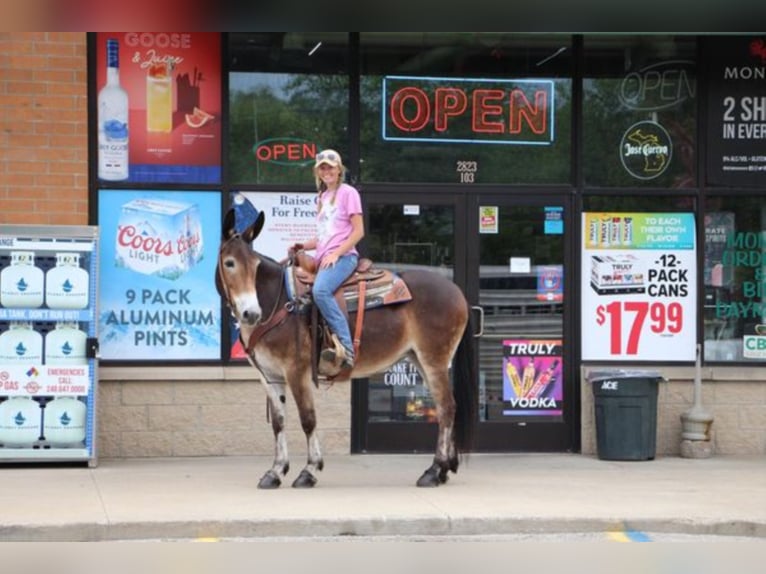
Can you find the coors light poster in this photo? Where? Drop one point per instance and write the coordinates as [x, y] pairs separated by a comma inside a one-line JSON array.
[[159, 107], [737, 111], [158, 255]]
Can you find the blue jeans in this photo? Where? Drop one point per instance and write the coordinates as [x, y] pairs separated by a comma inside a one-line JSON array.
[[326, 283]]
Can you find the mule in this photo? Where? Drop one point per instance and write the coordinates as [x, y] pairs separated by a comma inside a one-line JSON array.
[[429, 330]]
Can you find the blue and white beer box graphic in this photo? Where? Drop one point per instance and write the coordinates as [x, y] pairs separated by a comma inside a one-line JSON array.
[[158, 237]]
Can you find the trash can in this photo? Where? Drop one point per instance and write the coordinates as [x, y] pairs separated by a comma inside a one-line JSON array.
[[626, 413]]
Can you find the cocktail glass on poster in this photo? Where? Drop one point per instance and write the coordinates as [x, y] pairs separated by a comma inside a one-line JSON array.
[[159, 97]]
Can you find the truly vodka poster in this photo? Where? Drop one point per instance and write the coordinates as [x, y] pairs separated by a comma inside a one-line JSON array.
[[158, 258], [533, 380], [159, 107]]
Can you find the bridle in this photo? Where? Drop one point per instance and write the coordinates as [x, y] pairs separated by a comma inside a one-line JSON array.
[[276, 317], [224, 286]]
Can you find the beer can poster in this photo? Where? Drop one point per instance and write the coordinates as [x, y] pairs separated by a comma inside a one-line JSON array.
[[639, 295], [158, 254], [159, 107], [532, 377]]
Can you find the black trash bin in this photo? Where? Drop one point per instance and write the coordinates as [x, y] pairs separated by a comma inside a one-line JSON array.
[[626, 413]]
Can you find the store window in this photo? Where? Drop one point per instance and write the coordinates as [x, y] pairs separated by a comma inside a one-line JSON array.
[[466, 107], [639, 111], [288, 98], [735, 279], [736, 110]]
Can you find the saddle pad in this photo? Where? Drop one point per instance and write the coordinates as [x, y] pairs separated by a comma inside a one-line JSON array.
[[386, 288]]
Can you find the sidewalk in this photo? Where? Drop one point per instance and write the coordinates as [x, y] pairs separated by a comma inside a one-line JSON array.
[[374, 495]]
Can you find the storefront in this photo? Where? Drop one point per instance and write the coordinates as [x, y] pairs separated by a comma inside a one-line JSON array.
[[598, 198]]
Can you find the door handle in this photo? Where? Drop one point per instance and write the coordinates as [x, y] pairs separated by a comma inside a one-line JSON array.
[[480, 309]]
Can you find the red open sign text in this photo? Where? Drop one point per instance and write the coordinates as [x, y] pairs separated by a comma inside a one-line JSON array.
[[467, 110]]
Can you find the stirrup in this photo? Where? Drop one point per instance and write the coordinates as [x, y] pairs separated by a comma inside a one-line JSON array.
[[337, 355], [329, 355], [334, 353]]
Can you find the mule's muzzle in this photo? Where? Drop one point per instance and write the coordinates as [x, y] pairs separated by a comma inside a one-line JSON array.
[[249, 317]]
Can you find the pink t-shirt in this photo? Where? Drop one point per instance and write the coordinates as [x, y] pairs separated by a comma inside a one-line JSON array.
[[334, 219]]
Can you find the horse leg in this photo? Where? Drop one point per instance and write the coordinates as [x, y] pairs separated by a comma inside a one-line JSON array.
[[275, 392], [445, 459], [304, 399]]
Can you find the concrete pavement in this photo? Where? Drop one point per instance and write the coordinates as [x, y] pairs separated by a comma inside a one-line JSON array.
[[374, 495]]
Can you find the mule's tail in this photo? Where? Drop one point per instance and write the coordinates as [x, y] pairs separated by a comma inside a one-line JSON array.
[[465, 389]]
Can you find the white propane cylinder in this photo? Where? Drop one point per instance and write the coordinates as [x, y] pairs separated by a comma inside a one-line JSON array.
[[66, 344], [64, 422], [21, 344], [19, 422], [67, 284], [21, 283]]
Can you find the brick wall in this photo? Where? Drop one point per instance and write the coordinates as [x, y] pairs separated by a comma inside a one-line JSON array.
[[213, 417], [43, 128]]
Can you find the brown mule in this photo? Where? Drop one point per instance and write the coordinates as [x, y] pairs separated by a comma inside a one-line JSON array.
[[430, 330]]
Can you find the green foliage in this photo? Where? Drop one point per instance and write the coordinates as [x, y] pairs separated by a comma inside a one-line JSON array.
[[308, 108]]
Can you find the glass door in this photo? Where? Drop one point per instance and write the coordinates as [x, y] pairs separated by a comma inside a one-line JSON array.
[[510, 255], [393, 411], [519, 249]]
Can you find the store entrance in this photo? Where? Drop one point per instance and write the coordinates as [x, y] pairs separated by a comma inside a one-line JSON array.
[[519, 272], [508, 256]]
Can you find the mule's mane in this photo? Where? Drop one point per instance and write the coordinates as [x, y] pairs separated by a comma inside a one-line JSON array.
[[268, 259]]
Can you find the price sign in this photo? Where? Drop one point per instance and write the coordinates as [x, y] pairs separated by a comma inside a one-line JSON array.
[[663, 318], [638, 291]]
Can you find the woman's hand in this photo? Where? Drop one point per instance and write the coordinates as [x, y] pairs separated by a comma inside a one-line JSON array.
[[330, 259]]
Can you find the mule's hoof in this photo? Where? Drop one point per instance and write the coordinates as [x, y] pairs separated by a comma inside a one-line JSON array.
[[429, 478], [269, 480], [305, 480]]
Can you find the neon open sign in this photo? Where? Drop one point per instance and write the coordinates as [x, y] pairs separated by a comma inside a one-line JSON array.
[[468, 110]]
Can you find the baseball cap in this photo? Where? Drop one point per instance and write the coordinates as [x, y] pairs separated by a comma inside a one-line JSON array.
[[328, 156], [245, 213]]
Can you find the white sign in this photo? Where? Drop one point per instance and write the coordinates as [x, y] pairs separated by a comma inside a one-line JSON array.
[[44, 380], [754, 347], [290, 218], [520, 265], [411, 210], [639, 295]]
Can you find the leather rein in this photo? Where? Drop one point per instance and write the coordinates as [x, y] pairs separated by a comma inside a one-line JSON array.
[[276, 317]]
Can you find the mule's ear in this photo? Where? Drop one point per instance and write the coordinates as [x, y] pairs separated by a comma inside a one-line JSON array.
[[228, 228], [254, 230]]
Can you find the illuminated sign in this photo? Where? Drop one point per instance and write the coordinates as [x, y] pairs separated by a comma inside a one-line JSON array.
[[286, 151], [468, 110], [646, 150], [658, 86]]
